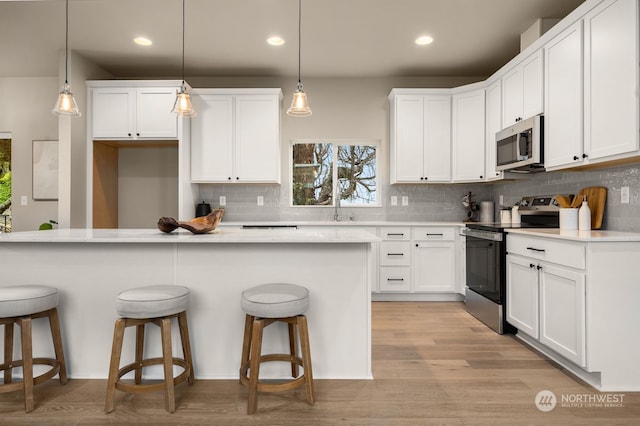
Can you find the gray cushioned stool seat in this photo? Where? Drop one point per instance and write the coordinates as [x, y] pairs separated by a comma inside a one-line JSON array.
[[152, 301], [275, 300], [26, 300]]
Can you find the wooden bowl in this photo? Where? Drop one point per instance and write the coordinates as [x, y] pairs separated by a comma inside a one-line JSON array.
[[199, 225]]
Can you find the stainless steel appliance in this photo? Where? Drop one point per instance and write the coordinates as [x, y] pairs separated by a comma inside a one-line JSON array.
[[486, 259], [520, 148]]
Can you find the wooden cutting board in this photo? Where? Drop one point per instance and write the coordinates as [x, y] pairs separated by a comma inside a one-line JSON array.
[[596, 199]]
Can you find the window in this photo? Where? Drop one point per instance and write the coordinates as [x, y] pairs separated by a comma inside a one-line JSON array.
[[317, 165]]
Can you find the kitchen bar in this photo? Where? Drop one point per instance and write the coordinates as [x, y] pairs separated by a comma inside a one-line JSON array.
[[91, 266]]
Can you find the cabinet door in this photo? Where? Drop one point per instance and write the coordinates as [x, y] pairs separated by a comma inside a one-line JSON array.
[[395, 279], [257, 138], [434, 267], [532, 85], [437, 138], [468, 136], [113, 112], [562, 312], [512, 96], [154, 118], [563, 98], [408, 139], [212, 138], [522, 295], [493, 123], [611, 79]]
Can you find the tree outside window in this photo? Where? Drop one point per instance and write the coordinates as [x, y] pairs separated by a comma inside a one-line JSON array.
[[316, 166]]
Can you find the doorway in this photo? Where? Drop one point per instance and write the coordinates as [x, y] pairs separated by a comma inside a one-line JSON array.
[[5, 182]]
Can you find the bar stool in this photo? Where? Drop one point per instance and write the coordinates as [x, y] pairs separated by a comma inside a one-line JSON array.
[[157, 304], [19, 305], [264, 305]]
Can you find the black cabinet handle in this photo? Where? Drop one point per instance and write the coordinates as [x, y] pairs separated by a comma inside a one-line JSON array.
[[229, 178], [497, 174], [396, 235], [538, 267], [535, 249], [531, 265], [129, 134], [585, 156], [395, 279], [421, 177], [426, 177], [237, 178], [481, 177], [137, 134], [575, 157], [395, 254]]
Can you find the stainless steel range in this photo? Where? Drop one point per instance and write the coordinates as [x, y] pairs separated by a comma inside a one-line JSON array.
[[486, 259]]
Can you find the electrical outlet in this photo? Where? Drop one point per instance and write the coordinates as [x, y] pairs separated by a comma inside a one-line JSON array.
[[624, 195], [260, 200], [23, 200], [394, 200], [223, 200], [405, 200]]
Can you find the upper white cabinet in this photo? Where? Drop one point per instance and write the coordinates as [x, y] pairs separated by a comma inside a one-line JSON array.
[[236, 135], [563, 98], [611, 120], [493, 124], [420, 135], [468, 135], [133, 112], [522, 90]]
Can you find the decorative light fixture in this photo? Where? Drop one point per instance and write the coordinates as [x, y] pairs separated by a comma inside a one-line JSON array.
[[299, 105], [182, 105], [66, 104], [424, 40]]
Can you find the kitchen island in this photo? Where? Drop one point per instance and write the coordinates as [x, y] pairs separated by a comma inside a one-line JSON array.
[[91, 266]]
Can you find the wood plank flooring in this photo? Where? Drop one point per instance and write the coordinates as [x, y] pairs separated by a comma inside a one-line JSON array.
[[432, 362]]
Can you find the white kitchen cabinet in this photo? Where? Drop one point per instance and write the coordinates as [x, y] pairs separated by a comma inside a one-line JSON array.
[[522, 90], [522, 295], [420, 135], [134, 113], [236, 136], [611, 119], [468, 135], [563, 126], [493, 124], [395, 260], [434, 260]]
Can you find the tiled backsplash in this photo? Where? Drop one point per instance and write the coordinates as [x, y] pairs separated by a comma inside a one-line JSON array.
[[617, 216], [436, 202]]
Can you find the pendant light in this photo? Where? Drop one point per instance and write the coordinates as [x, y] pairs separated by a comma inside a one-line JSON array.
[[66, 104], [182, 105], [299, 105]]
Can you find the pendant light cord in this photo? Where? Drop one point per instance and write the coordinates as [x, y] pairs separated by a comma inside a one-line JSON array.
[[183, 20], [299, 39], [66, 45]]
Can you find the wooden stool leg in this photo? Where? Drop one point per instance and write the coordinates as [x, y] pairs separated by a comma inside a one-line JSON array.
[[186, 345], [306, 357], [27, 362], [139, 353], [246, 344], [167, 355], [254, 367], [114, 365], [54, 324], [8, 350], [293, 349]]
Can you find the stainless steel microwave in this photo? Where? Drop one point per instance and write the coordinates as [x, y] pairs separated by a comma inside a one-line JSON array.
[[520, 148]]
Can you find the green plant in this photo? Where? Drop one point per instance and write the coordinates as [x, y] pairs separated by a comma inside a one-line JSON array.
[[47, 225]]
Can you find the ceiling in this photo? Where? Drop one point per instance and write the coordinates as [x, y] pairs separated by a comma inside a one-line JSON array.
[[340, 38]]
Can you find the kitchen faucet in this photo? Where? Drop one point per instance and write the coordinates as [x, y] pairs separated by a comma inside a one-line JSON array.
[[336, 205]]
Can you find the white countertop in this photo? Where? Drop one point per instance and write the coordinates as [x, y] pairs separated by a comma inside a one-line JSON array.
[[220, 235], [340, 223], [582, 236]]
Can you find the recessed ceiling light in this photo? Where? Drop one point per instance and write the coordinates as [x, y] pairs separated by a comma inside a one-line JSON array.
[[142, 41], [275, 41], [424, 40]]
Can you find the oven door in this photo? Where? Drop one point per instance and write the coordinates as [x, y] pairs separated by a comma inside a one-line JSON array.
[[485, 263]]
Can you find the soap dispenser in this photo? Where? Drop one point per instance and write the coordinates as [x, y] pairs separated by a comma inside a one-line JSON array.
[[584, 216]]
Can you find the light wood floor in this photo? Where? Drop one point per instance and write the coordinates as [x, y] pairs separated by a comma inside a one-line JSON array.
[[432, 362]]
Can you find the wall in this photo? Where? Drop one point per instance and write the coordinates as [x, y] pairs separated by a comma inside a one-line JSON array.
[[25, 112], [617, 216], [343, 108]]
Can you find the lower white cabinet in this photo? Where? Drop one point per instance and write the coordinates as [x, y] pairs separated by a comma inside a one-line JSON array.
[[522, 295], [434, 266]]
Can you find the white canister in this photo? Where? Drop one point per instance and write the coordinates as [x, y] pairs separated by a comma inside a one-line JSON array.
[[515, 215], [505, 216], [569, 219]]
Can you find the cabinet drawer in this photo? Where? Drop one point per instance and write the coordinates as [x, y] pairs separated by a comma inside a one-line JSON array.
[[561, 252], [395, 233], [394, 253], [435, 233], [395, 278]]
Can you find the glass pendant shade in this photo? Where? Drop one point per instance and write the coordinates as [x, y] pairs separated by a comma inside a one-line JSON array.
[[299, 105], [66, 103], [182, 105]]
